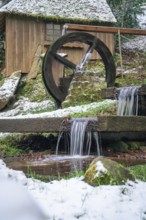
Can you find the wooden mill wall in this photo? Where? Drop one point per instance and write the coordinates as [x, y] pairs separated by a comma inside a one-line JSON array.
[[2, 24], [22, 40], [23, 36]]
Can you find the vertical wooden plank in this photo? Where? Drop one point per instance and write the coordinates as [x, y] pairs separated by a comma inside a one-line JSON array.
[[43, 37], [32, 41], [26, 42], [30, 49], [19, 42], [10, 45]]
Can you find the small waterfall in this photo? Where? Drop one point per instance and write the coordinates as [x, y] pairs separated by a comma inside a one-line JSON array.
[[78, 129], [128, 101], [79, 135]]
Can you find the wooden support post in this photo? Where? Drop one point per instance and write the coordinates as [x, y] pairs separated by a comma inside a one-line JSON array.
[[120, 52]]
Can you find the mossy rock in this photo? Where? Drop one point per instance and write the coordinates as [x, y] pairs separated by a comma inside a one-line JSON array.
[[34, 89], [103, 171], [119, 146], [84, 89]]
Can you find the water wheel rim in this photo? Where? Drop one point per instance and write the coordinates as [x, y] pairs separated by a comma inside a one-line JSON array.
[[83, 37]]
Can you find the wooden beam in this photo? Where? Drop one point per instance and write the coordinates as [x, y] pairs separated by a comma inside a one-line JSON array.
[[113, 30], [103, 124], [22, 125], [122, 123]]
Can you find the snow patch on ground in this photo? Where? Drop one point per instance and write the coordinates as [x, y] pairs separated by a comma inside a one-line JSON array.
[[139, 42], [23, 106], [74, 199], [8, 88], [26, 105], [142, 18]]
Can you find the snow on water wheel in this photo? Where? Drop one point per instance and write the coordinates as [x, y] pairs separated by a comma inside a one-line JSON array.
[[60, 64]]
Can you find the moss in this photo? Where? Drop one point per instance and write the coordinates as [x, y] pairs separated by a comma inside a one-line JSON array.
[[59, 19], [8, 146], [132, 60], [133, 145], [105, 108], [139, 171], [84, 89], [116, 174], [33, 89], [119, 146], [134, 79]]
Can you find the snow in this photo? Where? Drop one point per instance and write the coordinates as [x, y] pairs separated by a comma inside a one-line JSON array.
[[138, 42], [100, 169], [8, 88], [68, 199], [73, 9], [26, 105], [142, 18]]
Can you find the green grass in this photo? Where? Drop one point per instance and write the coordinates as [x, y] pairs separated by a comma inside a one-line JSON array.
[[8, 147], [103, 109], [34, 90], [49, 178], [139, 171]]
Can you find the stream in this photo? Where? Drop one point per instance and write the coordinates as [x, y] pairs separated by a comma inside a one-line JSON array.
[[63, 165]]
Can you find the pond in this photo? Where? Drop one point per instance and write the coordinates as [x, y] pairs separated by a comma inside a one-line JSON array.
[[62, 165], [50, 165]]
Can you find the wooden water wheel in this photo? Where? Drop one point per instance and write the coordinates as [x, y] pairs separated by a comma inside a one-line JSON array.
[[60, 64]]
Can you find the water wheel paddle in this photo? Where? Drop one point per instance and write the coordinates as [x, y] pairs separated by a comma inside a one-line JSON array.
[[59, 67]]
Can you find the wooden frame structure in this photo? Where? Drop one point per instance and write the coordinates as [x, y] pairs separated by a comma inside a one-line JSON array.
[[101, 29], [108, 124]]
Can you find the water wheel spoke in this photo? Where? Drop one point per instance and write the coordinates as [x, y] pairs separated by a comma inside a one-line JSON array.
[[64, 61], [87, 54]]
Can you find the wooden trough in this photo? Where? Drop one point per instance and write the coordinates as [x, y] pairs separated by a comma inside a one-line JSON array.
[[103, 124], [112, 92]]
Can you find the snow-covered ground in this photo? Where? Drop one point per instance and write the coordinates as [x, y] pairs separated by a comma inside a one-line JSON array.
[[24, 198], [24, 105], [138, 42]]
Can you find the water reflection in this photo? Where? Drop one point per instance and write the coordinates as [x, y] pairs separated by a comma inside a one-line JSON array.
[[61, 165], [52, 165]]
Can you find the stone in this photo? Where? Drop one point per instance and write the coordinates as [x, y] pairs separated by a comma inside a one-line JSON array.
[[84, 89], [8, 88], [35, 68], [103, 171]]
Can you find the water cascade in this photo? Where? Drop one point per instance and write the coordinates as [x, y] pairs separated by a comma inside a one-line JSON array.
[[83, 135], [128, 101], [80, 137]]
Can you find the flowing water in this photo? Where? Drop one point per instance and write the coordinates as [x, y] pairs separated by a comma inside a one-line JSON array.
[[81, 138], [50, 165], [78, 131], [128, 101]]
